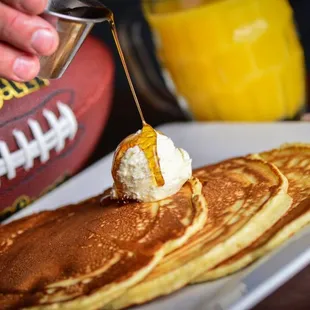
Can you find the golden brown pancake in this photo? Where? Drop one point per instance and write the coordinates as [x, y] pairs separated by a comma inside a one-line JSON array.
[[294, 163], [83, 256], [245, 197]]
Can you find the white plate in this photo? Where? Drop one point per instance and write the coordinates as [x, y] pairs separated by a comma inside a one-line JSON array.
[[209, 143]]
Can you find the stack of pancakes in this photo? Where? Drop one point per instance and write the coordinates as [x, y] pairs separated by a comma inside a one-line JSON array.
[[103, 255]]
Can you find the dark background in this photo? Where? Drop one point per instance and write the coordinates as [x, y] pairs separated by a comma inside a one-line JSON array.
[[124, 118]]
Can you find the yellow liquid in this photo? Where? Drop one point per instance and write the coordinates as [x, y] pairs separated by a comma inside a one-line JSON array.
[[235, 60]]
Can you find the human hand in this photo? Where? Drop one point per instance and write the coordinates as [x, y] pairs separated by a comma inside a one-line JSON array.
[[24, 36]]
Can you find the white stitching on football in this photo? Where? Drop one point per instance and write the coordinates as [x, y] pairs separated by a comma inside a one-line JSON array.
[[61, 129]]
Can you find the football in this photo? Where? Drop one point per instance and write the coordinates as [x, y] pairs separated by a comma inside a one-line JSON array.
[[48, 129]]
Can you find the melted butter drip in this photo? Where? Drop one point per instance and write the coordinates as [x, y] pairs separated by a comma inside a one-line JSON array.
[[146, 140]]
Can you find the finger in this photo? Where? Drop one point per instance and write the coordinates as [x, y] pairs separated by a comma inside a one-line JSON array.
[[16, 65], [28, 33], [32, 7], [51, 19]]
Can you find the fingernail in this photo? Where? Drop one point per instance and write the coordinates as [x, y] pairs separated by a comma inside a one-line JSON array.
[[43, 41], [24, 68]]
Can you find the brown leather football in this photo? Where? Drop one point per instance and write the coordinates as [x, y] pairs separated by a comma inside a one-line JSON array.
[[48, 129]]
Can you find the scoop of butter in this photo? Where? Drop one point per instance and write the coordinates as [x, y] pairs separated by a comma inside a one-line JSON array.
[[136, 178]]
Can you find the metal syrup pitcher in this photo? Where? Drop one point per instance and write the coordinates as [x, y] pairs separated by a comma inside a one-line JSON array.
[[73, 21]]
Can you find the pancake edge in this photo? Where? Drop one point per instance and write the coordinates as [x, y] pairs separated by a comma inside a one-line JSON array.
[[112, 291], [178, 278]]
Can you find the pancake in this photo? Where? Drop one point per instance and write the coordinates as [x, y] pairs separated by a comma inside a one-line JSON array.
[[245, 197], [83, 256], [294, 162]]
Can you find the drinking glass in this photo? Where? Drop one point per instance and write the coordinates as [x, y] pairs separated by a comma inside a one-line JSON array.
[[231, 60]]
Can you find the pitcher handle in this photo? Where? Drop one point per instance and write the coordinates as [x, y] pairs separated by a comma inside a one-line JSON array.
[[149, 82]]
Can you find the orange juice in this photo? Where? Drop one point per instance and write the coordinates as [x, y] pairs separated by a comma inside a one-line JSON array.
[[234, 60]]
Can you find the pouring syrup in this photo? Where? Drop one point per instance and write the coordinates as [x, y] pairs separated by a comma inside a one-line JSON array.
[[146, 140]]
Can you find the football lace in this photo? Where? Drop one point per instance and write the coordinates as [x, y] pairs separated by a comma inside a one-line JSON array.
[[61, 129]]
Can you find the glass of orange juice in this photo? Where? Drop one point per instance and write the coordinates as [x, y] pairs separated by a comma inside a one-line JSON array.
[[232, 60]]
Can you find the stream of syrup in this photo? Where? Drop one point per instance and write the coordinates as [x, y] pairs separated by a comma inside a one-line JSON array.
[[146, 139]]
